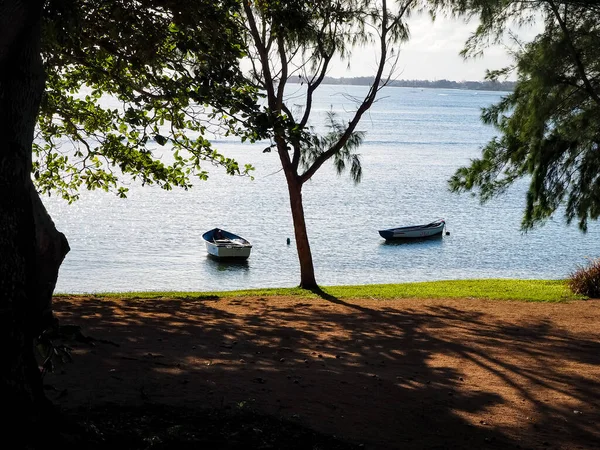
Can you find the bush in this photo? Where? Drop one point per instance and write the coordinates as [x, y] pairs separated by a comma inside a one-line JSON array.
[[586, 279]]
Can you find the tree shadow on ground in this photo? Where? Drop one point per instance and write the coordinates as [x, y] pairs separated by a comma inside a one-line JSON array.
[[387, 375]]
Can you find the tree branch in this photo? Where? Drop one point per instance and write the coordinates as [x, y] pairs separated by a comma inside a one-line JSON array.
[[574, 53], [263, 54], [366, 104]]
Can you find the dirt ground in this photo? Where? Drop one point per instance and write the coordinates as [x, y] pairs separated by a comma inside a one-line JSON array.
[[393, 374]]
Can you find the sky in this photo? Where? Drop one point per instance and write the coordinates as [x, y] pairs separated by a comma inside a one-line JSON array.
[[432, 53]]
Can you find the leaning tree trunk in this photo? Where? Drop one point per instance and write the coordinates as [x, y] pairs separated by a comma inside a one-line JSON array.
[[21, 88], [307, 270]]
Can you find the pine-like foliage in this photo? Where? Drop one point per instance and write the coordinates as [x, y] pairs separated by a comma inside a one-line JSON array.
[[550, 124]]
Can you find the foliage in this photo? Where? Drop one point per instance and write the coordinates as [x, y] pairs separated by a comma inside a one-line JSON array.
[[586, 279], [498, 289], [319, 144], [550, 124], [173, 73]]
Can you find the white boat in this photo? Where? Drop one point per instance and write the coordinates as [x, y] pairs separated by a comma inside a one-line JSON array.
[[226, 245], [415, 231]]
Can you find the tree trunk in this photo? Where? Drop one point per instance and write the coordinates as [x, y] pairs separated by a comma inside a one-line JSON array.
[[51, 248], [307, 270], [21, 88]]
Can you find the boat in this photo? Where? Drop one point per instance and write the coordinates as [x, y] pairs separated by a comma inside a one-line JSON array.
[[435, 228], [223, 244]]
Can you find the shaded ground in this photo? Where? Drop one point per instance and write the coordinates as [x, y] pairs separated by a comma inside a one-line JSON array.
[[399, 374]]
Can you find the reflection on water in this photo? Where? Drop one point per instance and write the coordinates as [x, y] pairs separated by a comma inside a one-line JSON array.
[[432, 240], [228, 265]]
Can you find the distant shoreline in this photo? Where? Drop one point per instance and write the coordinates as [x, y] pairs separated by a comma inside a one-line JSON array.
[[438, 84]]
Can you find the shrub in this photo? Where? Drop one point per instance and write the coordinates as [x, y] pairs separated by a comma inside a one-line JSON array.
[[586, 279]]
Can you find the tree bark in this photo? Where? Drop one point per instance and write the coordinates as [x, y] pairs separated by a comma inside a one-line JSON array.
[[307, 270], [21, 88], [51, 248]]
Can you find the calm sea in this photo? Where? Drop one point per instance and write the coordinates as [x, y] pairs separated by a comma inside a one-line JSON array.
[[416, 139]]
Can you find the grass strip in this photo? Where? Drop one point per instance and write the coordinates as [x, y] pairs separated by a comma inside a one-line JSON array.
[[500, 289]]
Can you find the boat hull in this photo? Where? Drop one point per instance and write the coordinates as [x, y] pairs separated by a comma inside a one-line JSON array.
[[228, 246], [228, 251], [414, 232]]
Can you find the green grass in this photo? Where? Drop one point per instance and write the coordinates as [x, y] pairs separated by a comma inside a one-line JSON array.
[[501, 289]]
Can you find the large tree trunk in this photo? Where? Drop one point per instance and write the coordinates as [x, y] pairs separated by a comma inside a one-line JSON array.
[[51, 248], [21, 88], [307, 270]]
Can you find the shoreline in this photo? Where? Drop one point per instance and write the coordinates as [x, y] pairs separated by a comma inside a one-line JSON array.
[[491, 288]]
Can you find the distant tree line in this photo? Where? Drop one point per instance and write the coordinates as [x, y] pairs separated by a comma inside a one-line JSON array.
[[487, 85]]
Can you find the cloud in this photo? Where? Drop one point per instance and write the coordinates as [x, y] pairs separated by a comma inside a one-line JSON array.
[[433, 53]]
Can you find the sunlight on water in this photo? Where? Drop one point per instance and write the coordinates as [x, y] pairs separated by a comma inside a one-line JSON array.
[[416, 139]]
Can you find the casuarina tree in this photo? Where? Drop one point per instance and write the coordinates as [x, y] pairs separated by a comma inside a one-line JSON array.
[[549, 126], [297, 41]]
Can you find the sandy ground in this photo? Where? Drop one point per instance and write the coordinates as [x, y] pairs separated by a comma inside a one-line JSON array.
[[393, 374]]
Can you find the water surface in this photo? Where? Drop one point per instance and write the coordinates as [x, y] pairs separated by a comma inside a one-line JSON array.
[[416, 139]]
